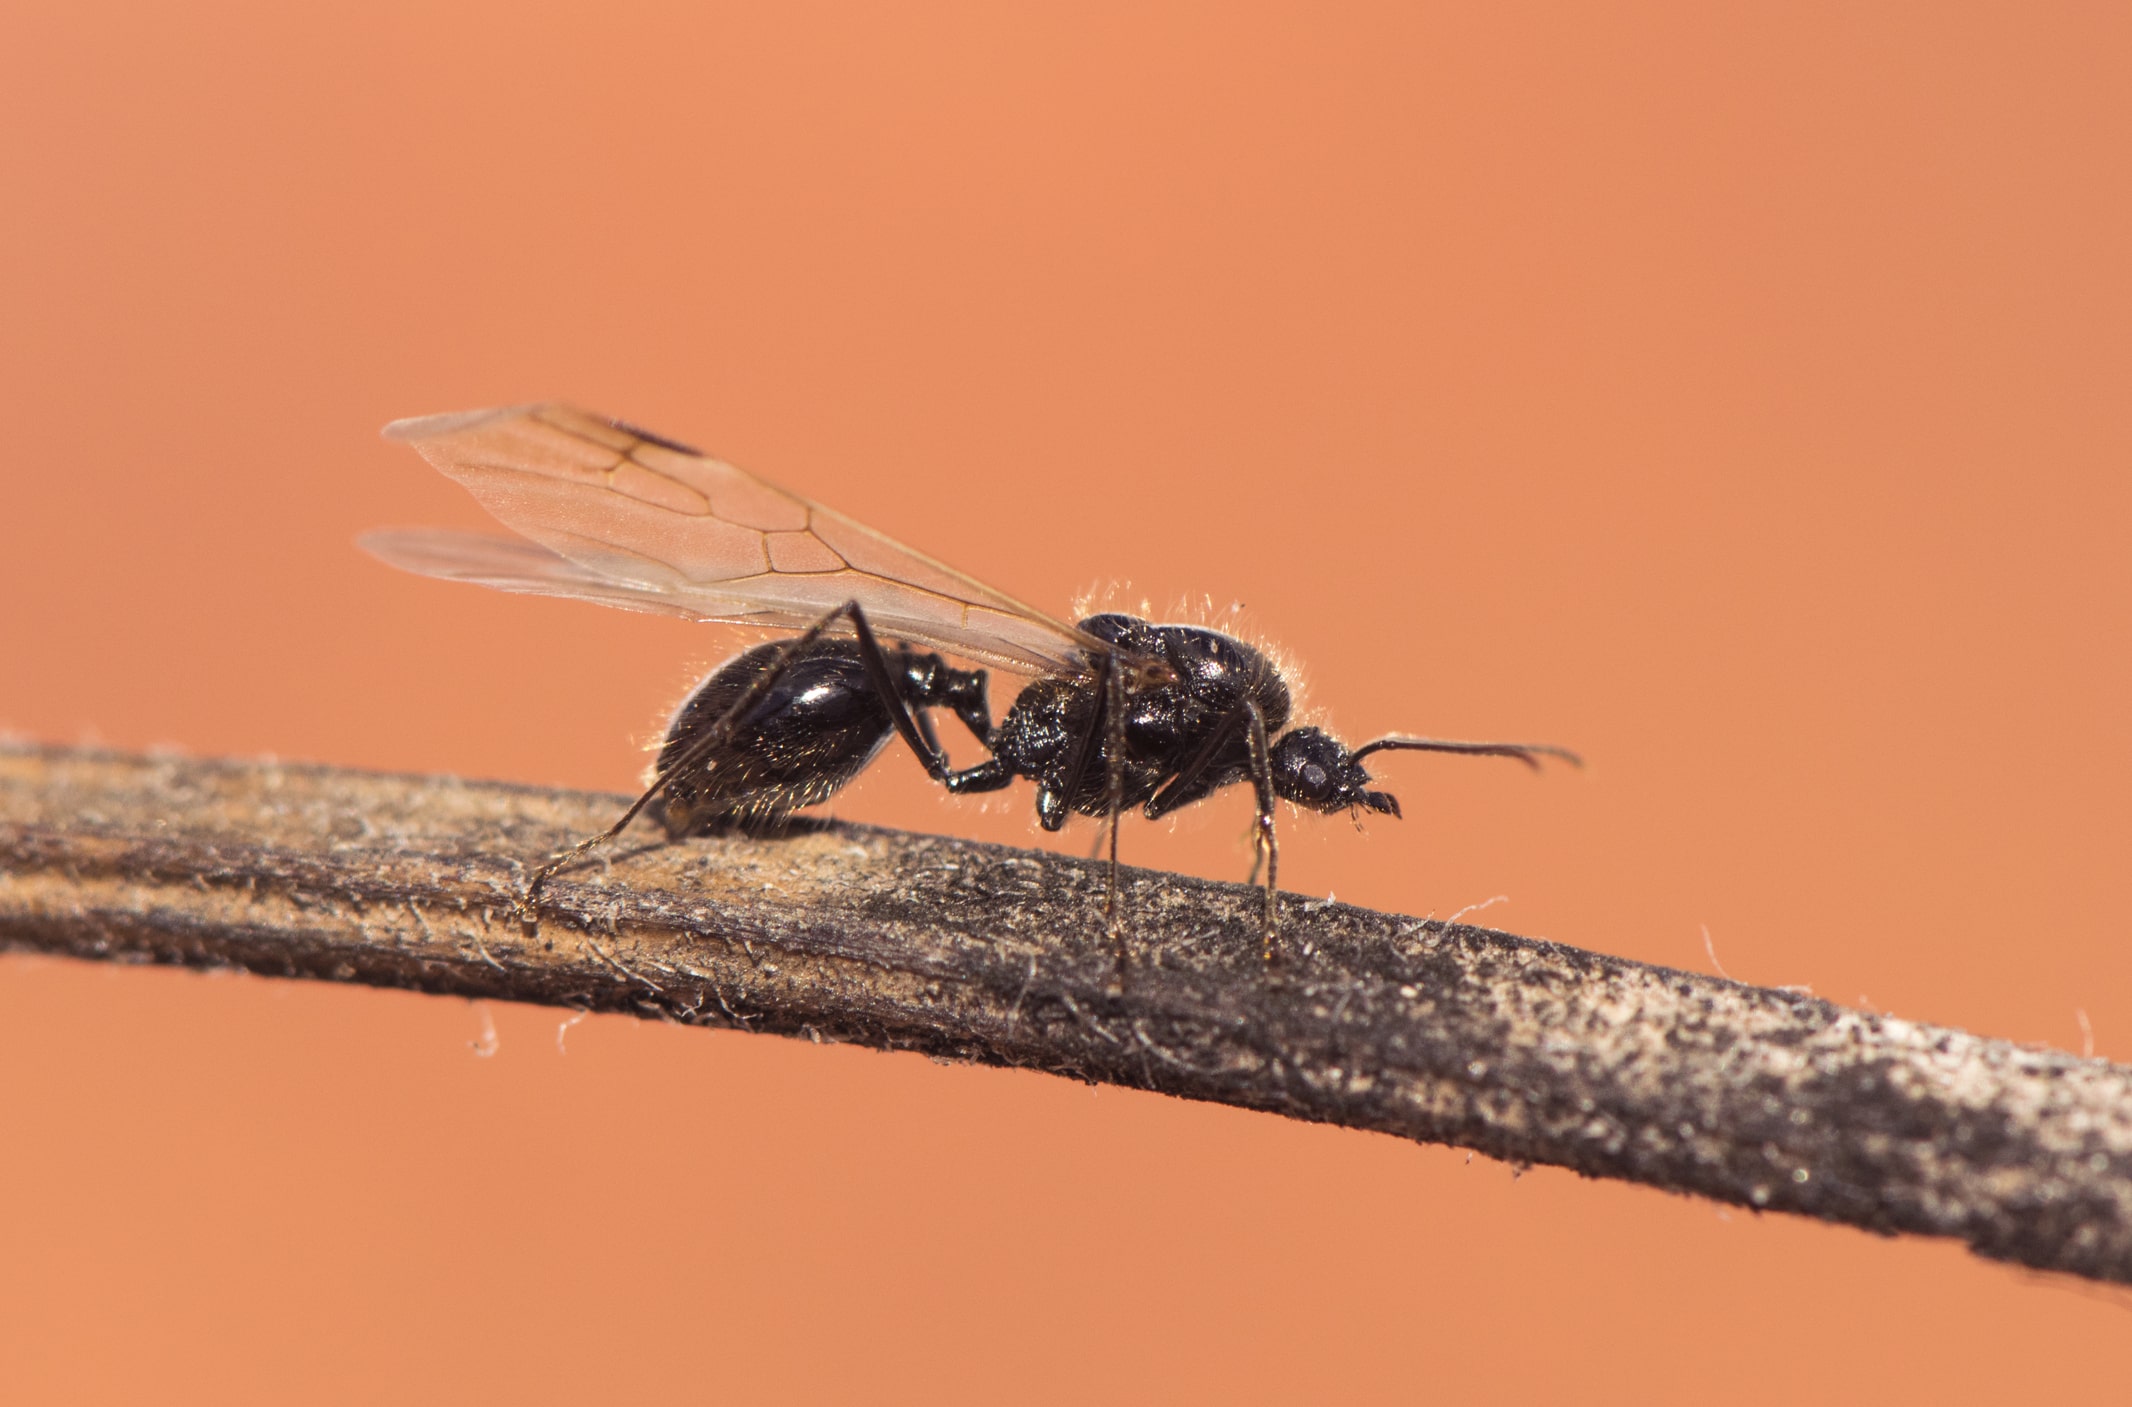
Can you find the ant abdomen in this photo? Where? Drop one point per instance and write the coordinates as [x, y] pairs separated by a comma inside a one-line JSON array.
[[814, 727]]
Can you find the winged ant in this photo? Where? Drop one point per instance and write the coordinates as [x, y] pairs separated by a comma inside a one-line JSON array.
[[1119, 712]]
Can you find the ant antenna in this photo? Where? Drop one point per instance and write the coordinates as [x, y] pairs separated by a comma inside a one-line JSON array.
[[1527, 753]]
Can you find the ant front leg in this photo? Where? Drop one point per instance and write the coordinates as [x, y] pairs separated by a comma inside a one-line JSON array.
[[1055, 799], [1190, 784]]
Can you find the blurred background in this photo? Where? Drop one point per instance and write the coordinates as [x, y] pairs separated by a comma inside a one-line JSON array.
[[1737, 394]]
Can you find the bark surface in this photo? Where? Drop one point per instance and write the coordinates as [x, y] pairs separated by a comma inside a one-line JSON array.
[[1527, 1051]]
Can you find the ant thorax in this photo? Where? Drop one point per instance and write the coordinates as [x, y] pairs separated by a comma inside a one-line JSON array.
[[1214, 681]]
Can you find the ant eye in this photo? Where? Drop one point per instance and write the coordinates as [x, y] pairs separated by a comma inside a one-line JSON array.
[[1313, 777]]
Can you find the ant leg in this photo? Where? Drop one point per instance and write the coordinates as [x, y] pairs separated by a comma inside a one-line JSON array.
[[1183, 788], [714, 736], [1114, 804], [968, 698], [1077, 762], [917, 730], [721, 732], [924, 721], [1057, 790], [989, 775], [1055, 802], [1262, 783]]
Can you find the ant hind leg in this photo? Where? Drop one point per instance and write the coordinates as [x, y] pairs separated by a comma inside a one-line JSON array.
[[722, 731]]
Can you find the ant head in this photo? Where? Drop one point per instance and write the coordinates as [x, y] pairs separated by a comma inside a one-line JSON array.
[[1311, 768]]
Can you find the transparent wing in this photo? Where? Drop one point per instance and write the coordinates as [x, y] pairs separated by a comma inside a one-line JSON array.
[[509, 564], [629, 519]]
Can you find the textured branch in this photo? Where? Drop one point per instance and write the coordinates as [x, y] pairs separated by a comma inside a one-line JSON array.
[[1527, 1051]]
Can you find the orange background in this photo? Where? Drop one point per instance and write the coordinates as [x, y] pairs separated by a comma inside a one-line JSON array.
[[1742, 395]]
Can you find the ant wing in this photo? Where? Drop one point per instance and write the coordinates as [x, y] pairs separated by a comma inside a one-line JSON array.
[[630, 519], [509, 564]]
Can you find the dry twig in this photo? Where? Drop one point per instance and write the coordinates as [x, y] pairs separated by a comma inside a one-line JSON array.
[[1528, 1051]]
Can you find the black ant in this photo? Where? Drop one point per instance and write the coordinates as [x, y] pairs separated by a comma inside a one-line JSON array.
[[1122, 713]]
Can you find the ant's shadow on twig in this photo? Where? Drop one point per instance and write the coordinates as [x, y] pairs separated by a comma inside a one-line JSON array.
[[787, 827]]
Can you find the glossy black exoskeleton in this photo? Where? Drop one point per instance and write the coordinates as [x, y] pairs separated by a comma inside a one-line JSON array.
[[1183, 739], [813, 728]]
